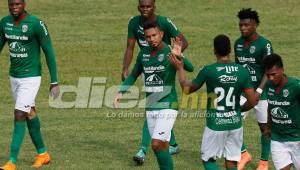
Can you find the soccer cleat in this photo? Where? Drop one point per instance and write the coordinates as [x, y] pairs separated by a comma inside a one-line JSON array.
[[8, 166], [139, 158], [263, 165], [174, 149], [245, 159], [41, 159]]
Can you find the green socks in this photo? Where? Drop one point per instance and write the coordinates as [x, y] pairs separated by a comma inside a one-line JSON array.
[[17, 140], [235, 168], [164, 160], [146, 138], [172, 140], [210, 165], [243, 149], [34, 129], [265, 147]]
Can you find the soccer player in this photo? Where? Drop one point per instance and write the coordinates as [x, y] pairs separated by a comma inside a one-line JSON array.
[[25, 34], [283, 94], [225, 81], [249, 51], [136, 33], [161, 98]]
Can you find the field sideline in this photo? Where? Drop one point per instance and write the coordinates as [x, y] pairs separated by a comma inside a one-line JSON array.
[[89, 37]]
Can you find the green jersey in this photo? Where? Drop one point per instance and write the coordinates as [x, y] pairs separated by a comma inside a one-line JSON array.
[[251, 57], [224, 82], [24, 40], [284, 107], [136, 30], [159, 78]]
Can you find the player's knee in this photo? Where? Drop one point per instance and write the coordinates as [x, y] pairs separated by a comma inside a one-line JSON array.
[[156, 145], [20, 115], [32, 113]]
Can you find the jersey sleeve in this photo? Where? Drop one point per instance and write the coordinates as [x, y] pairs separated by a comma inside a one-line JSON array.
[[298, 90], [43, 36], [201, 77], [130, 33], [171, 27], [187, 65], [268, 49], [130, 80], [2, 36]]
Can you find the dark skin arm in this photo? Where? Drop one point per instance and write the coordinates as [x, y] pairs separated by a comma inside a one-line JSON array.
[[252, 100], [186, 85], [128, 57]]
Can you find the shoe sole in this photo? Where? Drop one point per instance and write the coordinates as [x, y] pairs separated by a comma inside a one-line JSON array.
[[138, 160], [46, 163]]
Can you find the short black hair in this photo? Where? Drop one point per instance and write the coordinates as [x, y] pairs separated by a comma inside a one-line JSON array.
[[272, 60], [248, 13], [222, 45], [150, 24], [22, 0], [141, 0]]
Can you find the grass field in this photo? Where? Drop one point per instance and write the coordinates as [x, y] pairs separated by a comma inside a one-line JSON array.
[[90, 37]]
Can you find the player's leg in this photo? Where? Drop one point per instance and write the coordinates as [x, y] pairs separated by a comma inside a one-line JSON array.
[[230, 165], [140, 156], [34, 128], [232, 153], [22, 108], [261, 113], [212, 147], [246, 156], [173, 148], [161, 136], [281, 156]]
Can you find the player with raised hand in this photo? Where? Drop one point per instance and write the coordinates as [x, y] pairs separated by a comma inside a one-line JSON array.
[[25, 35], [225, 81], [250, 50], [161, 97], [136, 34], [283, 94]]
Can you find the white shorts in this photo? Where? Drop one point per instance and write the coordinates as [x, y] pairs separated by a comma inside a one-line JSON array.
[[260, 110], [285, 153], [160, 123], [24, 91], [216, 144]]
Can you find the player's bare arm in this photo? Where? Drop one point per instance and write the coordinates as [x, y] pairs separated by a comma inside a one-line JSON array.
[[251, 99], [186, 85]]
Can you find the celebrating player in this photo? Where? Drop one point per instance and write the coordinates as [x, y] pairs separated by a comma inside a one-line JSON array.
[[249, 51], [25, 34], [225, 81], [283, 94], [136, 33], [161, 98]]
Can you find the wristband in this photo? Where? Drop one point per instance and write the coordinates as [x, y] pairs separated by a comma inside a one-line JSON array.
[[259, 90]]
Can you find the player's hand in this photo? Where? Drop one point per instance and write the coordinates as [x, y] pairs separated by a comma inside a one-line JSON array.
[[54, 90], [118, 96], [178, 64], [177, 46], [124, 74]]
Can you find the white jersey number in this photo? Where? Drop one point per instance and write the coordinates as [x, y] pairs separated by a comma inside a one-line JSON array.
[[229, 99]]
